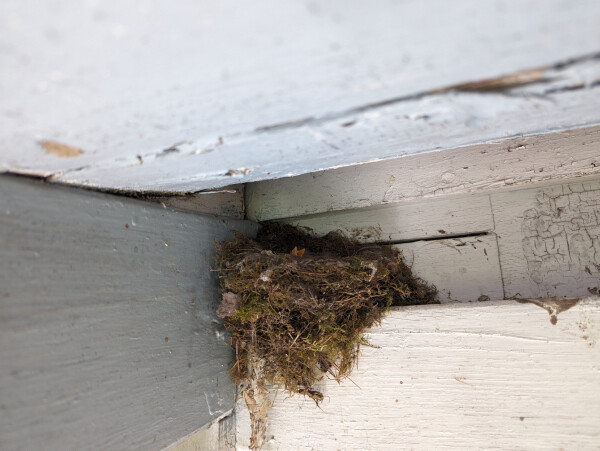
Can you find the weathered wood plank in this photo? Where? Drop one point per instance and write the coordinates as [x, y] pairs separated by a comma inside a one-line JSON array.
[[406, 221], [219, 436], [168, 98], [462, 269], [227, 202], [494, 375], [107, 328], [480, 167], [549, 239]]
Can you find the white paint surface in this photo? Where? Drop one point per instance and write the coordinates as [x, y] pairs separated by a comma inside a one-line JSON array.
[[494, 375], [462, 269], [533, 242], [173, 96], [405, 221], [480, 167]]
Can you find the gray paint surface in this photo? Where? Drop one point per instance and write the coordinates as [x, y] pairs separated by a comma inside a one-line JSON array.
[[107, 328], [173, 96]]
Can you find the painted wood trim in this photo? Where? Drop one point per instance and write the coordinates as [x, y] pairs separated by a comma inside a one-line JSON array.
[[462, 269], [366, 83], [514, 162], [406, 221], [107, 320], [549, 239], [543, 239], [492, 375]]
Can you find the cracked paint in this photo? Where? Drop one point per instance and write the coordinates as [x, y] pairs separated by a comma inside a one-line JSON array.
[[561, 233]]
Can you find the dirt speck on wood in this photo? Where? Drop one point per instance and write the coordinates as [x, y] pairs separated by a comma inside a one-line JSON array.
[[61, 150]]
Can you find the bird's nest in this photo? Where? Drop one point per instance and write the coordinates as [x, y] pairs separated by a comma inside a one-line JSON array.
[[297, 305]]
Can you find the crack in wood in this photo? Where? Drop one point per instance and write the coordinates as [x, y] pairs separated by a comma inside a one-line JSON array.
[[502, 84]]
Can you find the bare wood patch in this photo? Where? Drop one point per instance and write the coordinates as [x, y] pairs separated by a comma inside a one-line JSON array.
[[228, 201], [61, 150]]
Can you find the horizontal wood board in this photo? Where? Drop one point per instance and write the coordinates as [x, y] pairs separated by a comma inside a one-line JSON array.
[[494, 375], [534, 242], [507, 163], [462, 269], [108, 333], [405, 221]]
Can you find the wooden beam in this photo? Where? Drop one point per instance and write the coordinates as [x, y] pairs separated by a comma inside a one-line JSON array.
[[507, 163], [453, 215], [539, 241], [488, 375], [107, 320], [168, 98]]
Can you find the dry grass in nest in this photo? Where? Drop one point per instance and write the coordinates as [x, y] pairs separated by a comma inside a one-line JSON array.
[[294, 319]]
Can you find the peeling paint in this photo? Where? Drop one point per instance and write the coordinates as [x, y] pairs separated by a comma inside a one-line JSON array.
[[553, 305], [238, 171]]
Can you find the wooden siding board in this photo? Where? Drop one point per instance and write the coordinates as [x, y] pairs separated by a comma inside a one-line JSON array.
[[494, 375], [506, 163], [462, 269], [540, 241], [406, 221], [108, 332]]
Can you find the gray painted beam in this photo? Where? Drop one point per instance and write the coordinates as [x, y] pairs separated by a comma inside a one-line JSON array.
[[108, 338]]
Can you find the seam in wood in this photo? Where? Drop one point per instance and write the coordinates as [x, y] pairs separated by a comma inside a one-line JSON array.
[[497, 246], [437, 237]]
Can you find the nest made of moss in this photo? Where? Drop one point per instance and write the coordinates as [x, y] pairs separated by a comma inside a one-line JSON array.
[[296, 316]]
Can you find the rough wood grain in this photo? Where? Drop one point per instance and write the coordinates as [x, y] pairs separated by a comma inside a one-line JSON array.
[[549, 239], [191, 96], [462, 269], [219, 436], [480, 167], [406, 221], [228, 202], [494, 375], [107, 324]]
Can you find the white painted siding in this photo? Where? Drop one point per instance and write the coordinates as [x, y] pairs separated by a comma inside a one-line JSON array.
[[494, 375]]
